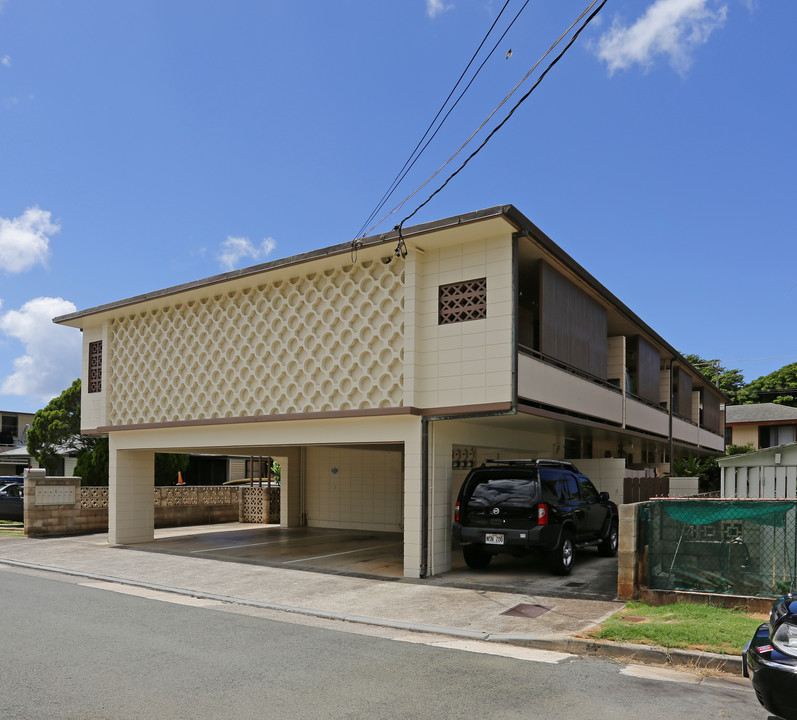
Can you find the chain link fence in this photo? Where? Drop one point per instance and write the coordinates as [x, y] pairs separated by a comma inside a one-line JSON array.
[[738, 547]]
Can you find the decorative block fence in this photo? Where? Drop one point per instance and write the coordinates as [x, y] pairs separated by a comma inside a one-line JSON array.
[[60, 506]]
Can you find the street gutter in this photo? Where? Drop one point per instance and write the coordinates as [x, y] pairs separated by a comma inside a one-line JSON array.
[[643, 654]]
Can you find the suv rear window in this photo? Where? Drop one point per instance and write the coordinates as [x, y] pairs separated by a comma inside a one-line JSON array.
[[496, 487]]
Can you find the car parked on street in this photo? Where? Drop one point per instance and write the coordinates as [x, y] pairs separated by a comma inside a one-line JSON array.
[[770, 659], [11, 507], [526, 506]]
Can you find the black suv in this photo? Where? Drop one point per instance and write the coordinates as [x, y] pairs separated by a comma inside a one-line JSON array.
[[523, 506]]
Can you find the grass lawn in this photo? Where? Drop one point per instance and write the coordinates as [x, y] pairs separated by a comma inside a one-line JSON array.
[[11, 529], [688, 626]]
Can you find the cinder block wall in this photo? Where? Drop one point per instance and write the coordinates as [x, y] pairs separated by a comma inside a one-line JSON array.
[[50, 518], [57, 519], [628, 552]]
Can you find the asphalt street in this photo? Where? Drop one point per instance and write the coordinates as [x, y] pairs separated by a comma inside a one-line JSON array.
[[78, 649]]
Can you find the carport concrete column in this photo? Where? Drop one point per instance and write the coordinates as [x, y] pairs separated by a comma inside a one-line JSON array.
[[413, 541], [131, 504], [441, 509], [292, 512]]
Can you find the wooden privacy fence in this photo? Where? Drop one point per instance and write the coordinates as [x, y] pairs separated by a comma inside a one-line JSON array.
[[640, 489]]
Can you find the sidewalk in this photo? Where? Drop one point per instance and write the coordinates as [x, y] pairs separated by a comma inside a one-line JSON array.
[[534, 621]]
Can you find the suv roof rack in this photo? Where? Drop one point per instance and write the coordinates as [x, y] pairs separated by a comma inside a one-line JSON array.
[[538, 462]]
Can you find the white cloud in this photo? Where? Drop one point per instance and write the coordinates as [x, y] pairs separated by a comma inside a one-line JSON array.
[[673, 28], [52, 352], [235, 249], [436, 7], [25, 241], [5, 60]]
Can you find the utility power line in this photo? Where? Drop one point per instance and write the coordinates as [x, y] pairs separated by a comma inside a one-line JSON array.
[[410, 161], [505, 120], [416, 153]]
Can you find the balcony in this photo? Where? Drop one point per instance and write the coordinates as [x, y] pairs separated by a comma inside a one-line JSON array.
[[565, 388], [646, 417]]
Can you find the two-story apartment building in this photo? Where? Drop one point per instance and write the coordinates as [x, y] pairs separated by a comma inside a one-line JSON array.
[[378, 372]]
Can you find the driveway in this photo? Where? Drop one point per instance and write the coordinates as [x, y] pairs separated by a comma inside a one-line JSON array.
[[361, 553]]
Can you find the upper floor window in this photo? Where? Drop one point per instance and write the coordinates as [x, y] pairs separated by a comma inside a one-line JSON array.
[[95, 366], [462, 301]]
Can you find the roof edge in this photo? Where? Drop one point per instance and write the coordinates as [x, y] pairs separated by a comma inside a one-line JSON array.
[[332, 250]]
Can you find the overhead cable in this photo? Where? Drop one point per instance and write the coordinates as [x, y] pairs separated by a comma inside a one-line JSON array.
[[416, 153], [413, 157], [500, 105]]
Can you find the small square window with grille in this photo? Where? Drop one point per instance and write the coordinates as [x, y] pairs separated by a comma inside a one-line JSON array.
[[462, 301], [95, 366]]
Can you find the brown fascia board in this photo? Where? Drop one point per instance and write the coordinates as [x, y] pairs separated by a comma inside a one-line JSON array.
[[392, 236], [509, 212]]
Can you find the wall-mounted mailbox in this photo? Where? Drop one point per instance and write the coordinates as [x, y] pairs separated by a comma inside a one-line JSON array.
[[55, 495]]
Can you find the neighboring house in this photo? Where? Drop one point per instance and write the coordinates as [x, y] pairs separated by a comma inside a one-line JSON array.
[[761, 425], [15, 460], [767, 473], [14, 428], [13, 435], [378, 372]]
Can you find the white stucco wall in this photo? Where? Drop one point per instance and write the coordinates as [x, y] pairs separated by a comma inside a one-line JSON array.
[[358, 488], [465, 363]]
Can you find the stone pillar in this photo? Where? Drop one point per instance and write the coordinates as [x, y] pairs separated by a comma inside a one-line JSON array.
[[412, 504], [628, 552], [131, 502], [291, 481], [51, 505]]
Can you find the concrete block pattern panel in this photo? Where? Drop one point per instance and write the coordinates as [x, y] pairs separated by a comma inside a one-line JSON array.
[[326, 341]]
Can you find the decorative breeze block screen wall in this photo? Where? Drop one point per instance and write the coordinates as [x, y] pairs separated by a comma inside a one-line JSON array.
[[462, 301], [332, 340], [95, 366]]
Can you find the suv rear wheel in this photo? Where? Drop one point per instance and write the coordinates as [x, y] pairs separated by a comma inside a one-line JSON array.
[[608, 547], [560, 561], [476, 556]]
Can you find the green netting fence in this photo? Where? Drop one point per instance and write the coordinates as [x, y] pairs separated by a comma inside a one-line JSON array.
[[738, 547]]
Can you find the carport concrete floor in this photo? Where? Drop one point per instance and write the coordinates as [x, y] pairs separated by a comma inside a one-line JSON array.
[[363, 553]]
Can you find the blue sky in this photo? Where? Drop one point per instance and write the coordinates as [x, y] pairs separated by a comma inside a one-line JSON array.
[[148, 143]]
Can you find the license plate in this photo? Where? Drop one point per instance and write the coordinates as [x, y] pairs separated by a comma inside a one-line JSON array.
[[493, 539]]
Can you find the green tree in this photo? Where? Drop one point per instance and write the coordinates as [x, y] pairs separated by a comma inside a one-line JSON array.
[[780, 386], [167, 465], [55, 431], [729, 380], [92, 465]]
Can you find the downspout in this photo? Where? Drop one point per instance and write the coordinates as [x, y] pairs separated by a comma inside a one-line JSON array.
[[426, 420], [670, 413]]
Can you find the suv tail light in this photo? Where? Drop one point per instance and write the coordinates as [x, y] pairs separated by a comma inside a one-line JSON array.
[[542, 514], [456, 512]]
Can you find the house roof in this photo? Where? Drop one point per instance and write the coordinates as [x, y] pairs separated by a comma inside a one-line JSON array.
[[756, 456], [508, 213], [760, 413], [19, 451]]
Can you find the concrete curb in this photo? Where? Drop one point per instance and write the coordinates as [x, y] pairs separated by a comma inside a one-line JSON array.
[[645, 654], [641, 654]]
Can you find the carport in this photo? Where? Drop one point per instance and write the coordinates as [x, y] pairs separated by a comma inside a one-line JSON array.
[[346, 476], [379, 555]]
